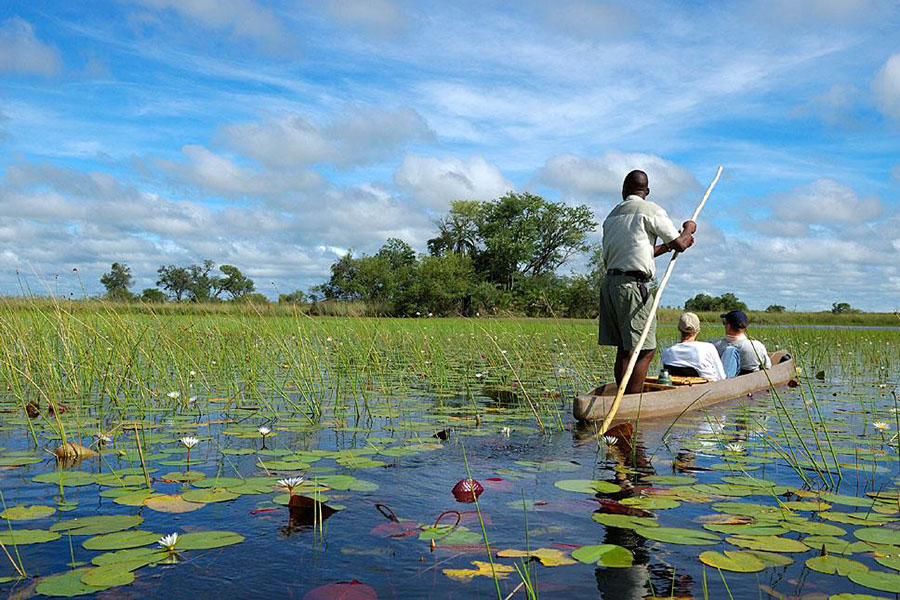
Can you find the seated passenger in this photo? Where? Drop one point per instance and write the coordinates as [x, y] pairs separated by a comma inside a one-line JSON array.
[[752, 354], [691, 356]]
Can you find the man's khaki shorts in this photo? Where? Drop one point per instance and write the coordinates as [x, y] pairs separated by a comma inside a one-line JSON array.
[[623, 314]]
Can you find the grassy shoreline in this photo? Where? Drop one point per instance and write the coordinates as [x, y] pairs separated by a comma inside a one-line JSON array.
[[359, 309]]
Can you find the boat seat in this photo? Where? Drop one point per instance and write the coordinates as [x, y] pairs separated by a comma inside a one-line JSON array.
[[682, 371]]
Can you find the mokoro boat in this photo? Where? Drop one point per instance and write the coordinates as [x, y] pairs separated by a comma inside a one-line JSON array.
[[670, 401]]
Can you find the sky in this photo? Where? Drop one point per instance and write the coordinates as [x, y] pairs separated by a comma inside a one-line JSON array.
[[276, 136]]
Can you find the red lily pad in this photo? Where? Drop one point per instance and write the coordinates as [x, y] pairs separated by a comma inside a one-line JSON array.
[[346, 590], [397, 529]]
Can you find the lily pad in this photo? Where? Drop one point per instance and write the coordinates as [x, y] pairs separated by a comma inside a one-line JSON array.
[[587, 486], [733, 560], [24, 537], [27, 513], [624, 521], [679, 535], [108, 576], [878, 535], [171, 504], [877, 580], [605, 555], [120, 540], [204, 496], [768, 543], [65, 478], [204, 540], [483, 569], [549, 557], [669, 479], [98, 524], [131, 556], [651, 503], [65, 585], [835, 565]]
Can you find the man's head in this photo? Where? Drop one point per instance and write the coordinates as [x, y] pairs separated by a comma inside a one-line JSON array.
[[688, 325], [636, 184], [735, 321]]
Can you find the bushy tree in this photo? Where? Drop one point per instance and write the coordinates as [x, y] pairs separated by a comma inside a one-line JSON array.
[[843, 308], [117, 281], [153, 296], [234, 283], [775, 308], [704, 302], [175, 280], [295, 297]]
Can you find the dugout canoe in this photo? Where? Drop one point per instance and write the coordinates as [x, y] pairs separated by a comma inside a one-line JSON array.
[[672, 401]]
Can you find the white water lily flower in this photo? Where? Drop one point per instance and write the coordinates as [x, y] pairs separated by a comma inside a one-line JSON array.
[[264, 431], [168, 542], [479, 375], [174, 395], [881, 426], [610, 440], [506, 431], [290, 483], [192, 373], [103, 438], [734, 447], [189, 441]]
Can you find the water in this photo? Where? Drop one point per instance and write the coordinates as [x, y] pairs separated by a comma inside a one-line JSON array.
[[290, 556]]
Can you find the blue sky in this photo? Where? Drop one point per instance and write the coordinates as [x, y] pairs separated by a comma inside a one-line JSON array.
[[277, 135]]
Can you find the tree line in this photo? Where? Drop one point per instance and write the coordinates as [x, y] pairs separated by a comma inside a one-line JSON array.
[[498, 256]]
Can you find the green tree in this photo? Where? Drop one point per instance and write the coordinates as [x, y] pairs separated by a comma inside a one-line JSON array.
[[174, 280], [200, 286], [117, 281], [524, 235], [843, 308], [440, 285], [153, 296], [458, 230], [775, 308], [295, 297], [234, 283], [704, 302], [254, 298]]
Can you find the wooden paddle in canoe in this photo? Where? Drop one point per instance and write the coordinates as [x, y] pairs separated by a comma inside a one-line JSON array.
[[659, 401]]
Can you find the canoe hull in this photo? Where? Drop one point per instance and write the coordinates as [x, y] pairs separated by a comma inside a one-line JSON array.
[[594, 405]]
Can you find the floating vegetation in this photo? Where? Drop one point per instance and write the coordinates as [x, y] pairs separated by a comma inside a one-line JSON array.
[[247, 447]]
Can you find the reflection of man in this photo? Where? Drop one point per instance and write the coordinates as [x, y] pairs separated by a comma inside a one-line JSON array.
[[751, 354], [629, 247], [690, 357]]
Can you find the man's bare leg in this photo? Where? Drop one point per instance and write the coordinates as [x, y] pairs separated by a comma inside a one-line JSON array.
[[636, 383]]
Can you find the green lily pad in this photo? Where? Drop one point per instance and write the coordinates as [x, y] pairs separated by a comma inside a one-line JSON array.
[[624, 521], [768, 543], [131, 556], [855, 597], [120, 540], [733, 560], [652, 503], [205, 496], [65, 478], [877, 580], [813, 528], [219, 482], [605, 555], [108, 576], [204, 540], [65, 585], [835, 565], [587, 486], [24, 537], [878, 535], [98, 524], [749, 529], [27, 513], [846, 500], [678, 535], [771, 559]]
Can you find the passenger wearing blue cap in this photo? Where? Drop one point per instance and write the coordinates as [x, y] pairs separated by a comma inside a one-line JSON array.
[[739, 354]]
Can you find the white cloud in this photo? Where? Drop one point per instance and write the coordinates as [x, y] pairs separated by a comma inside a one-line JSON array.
[[836, 105], [886, 87], [436, 182], [602, 177], [22, 52], [824, 201], [359, 135], [243, 18], [588, 18], [382, 17], [217, 174]]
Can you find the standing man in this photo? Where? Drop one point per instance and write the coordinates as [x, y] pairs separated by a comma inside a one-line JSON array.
[[630, 233]]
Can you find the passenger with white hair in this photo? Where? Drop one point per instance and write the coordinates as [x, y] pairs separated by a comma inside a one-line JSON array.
[[690, 357]]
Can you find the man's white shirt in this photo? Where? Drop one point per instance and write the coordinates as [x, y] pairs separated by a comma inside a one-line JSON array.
[[702, 356]]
